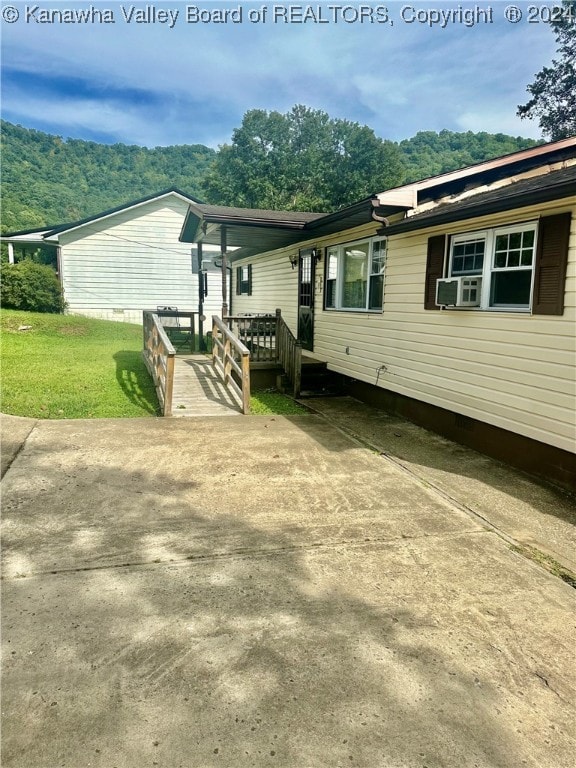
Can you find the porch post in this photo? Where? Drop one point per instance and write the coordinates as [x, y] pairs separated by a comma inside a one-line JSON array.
[[200, 298], [224, 273]]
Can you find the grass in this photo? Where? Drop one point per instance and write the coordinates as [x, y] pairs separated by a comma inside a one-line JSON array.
[[268, 402], [72, 367], [69, 367], [547, 562]]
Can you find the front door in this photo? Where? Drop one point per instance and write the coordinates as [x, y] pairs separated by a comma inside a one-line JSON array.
[[306, 268]]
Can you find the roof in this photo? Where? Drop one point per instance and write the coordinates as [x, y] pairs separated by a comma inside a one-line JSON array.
[[537, 189], [50, 233], [253, 230], [482, 173], [256, 228], [26, 236], [227, 213]]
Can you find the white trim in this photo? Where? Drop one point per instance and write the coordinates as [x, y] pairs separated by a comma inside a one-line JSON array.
[[489, 236], [390, 195], [118, 212], [338, 250]]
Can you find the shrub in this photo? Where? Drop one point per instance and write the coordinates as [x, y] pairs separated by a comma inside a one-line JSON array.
[[32, 287]]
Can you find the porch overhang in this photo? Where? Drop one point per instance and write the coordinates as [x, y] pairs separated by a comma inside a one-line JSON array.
[[253, 231], [29, 237], [25, 239]]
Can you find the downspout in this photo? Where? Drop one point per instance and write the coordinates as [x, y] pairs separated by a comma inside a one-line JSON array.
[[224, 268], [380, 219], [200, 297]]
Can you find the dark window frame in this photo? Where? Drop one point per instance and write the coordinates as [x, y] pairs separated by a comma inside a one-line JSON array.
[[244, 280]]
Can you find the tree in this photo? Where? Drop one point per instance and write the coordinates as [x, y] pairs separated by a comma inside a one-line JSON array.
[[48, 181], [429, 153], [553, 91], [302, 160]]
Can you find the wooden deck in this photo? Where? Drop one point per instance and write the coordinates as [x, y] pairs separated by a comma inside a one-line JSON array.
[[198, 391]]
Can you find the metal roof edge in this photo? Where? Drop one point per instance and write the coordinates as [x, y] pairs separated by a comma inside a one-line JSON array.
[[443, 215], [60, 229], [486, 165]]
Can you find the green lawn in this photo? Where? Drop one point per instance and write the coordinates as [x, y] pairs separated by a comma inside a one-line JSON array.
[[71, 367], [268, 402]]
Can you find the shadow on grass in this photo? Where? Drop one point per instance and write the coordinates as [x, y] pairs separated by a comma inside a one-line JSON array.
[[135, 381]]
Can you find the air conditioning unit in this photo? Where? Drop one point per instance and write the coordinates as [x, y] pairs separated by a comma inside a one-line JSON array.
[[458, 291]]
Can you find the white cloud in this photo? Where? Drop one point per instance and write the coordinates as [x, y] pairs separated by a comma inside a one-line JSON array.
[[504, 121], [397, 79]]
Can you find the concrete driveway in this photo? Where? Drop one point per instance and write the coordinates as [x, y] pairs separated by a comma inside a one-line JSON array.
[[265, 591]]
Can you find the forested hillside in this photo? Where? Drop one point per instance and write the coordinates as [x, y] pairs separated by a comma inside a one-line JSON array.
[[47, 180], [428, 153]]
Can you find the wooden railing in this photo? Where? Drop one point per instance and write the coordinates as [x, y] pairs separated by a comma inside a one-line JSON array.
[[180, 328], [230, 355], [159, 355], [257, 333], [289, 353], [269, 339]]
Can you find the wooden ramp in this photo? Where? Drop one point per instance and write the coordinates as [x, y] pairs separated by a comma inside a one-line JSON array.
[[198, 391]]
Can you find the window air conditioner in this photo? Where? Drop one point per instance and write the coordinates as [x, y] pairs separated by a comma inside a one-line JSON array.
[[458, 291]]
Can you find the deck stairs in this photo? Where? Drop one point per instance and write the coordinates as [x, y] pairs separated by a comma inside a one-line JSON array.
[[317, 380]]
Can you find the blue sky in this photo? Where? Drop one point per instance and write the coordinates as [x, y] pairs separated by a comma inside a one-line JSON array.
[[146, 83]]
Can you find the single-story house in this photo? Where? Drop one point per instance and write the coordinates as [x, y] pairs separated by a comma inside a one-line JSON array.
[[451, 300], [117, 263]]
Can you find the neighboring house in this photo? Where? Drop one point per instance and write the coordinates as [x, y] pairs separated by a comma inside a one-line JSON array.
[[359, 288], [122, 261]]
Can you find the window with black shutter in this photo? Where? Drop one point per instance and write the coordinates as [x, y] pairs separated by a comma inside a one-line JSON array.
[[244, 280], [434, 269], [551, 262], [522, 266]]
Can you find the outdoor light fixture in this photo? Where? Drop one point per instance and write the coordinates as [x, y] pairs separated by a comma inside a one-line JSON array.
[[314, 253]]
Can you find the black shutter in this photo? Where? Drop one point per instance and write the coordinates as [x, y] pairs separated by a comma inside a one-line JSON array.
[[249, 279], [434, 269], [550, 267], [238, 281]]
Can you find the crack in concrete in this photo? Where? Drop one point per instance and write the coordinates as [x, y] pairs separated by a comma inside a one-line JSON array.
[[239, 554]]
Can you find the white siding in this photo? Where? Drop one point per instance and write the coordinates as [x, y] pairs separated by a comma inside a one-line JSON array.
[[116, 267], [274, 285], [511, 370]]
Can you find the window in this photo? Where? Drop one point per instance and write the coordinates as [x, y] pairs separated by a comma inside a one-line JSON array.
[[523, 252], [468, 255], [504, 258], [354, 278], [244, 280]]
